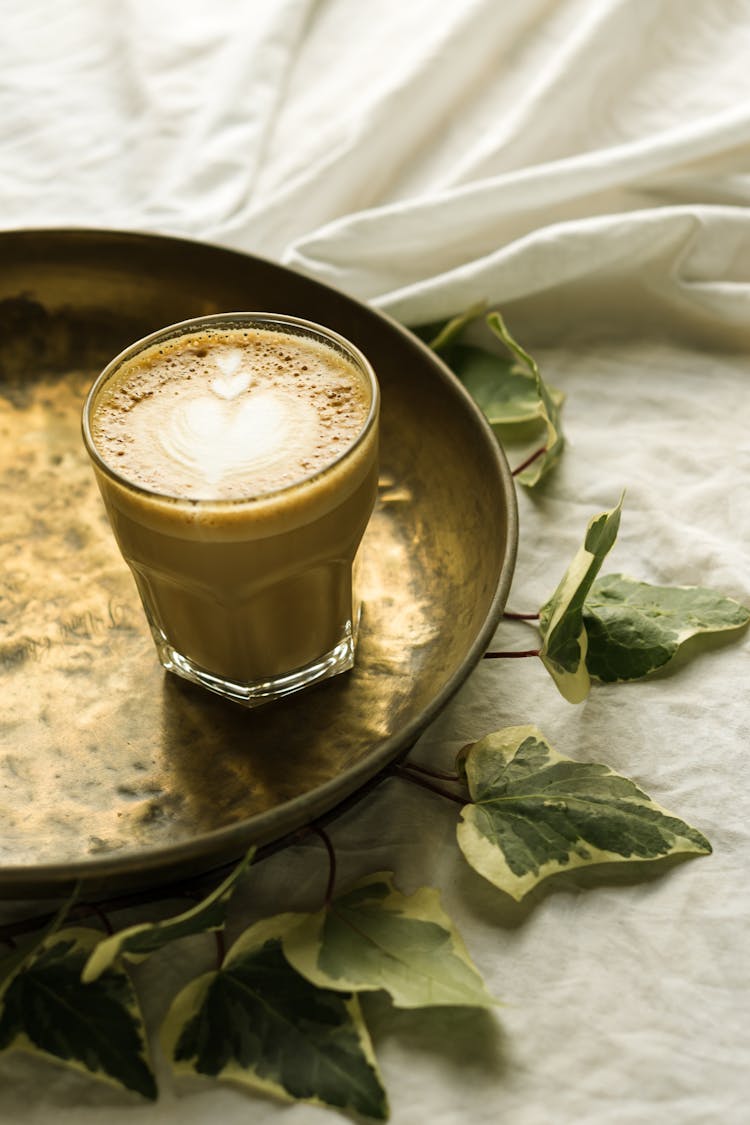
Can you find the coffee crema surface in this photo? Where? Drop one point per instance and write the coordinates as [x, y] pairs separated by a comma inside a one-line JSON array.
[[229, 414]]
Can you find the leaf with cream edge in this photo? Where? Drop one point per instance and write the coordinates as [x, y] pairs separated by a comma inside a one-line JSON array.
[[510, 392], [96, 1028], [504, 390], [453, 329], [634, 628], [140, 941], [12, 962], [535, 813], [547, 410], [258, 1023], [561, 623], [373, 937]]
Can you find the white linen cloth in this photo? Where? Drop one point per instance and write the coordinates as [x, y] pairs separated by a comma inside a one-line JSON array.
[[584, 165]]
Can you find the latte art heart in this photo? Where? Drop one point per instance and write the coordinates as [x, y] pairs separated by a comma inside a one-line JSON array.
[[216, 440], [233, 417]]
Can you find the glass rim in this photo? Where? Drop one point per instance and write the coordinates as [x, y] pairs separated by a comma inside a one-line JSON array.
[[271, 320]]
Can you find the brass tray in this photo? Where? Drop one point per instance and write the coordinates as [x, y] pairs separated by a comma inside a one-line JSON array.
[[112, 772]]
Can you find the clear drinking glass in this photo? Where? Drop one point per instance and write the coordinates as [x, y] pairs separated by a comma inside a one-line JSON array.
[[250, 596]]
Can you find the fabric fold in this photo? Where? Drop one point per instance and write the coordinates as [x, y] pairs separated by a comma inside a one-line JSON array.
[[363, 253]]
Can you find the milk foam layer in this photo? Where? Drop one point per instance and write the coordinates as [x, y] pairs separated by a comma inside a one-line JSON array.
[[229, 413]]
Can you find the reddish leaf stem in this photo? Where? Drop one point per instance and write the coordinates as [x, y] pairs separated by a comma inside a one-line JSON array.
[[415, 779], [512, 655], [520, 616], [529, 460], [103, 918], [331, 861]]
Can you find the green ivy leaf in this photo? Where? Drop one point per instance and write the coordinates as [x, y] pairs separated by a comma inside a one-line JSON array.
[[536, 813], [564, 637], [510, 392], [548, 406], [634, 628], [138, 942], [374, 937], [13, 961], [258, 1022], [96, 1028], [505, 391], [442, 339]]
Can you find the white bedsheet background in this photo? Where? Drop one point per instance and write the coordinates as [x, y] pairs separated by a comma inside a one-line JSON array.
[[585, 166]]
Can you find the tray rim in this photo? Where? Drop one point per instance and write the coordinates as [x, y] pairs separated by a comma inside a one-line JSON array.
[[154, 865]]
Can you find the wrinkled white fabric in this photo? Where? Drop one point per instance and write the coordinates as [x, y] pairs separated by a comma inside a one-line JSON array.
[[584, 165]]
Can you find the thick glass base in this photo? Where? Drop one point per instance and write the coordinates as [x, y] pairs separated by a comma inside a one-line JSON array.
[[259, 692]]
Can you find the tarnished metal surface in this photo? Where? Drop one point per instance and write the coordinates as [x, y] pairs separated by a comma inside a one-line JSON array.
[[112, 771]]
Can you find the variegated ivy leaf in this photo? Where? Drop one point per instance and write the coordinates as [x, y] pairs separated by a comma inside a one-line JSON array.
[[453, 329], [257, 1022], [634, 628], [504, 390], [535, 813], [18, 957], [96, 1028], [564, 638], [548, 406], [510, 392], [138, 942], [373, 937]]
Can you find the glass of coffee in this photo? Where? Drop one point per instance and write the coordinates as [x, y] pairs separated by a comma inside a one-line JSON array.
[[237, 456]]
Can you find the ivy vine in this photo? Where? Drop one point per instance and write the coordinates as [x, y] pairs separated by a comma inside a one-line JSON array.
[[280, 1013]]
